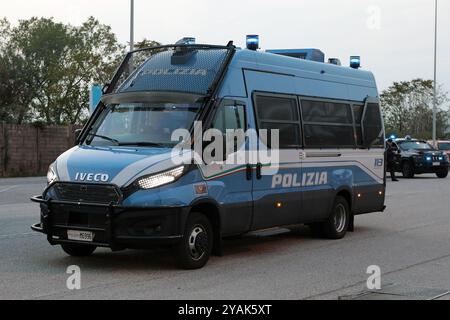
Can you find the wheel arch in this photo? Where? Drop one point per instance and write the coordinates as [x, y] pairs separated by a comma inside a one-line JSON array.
[[211, 209], [347, 194], [409, 161]]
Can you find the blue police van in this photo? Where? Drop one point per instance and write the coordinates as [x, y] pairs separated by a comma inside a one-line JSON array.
[[120, 188]]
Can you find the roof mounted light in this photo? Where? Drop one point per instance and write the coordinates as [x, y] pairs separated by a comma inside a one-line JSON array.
[[355, 62], [183, 54], [334, 61], [186, 41], [253, 42]]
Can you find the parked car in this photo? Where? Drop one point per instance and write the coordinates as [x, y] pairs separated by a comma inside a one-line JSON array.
[[418, 156], [442, 145]]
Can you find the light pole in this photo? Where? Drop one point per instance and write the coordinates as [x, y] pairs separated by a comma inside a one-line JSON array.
[[435, 71], [132, 26], [131, 34]]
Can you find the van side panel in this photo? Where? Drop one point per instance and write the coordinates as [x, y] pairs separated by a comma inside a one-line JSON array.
[[356, 172], [232, 191], [351, 170]]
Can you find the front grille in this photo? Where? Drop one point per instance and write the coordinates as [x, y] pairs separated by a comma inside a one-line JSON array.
[[71, 216], [89, 193]]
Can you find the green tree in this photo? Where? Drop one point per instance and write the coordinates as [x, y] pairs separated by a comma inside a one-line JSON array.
[[408, 109], [16, 87], [145, 43], [52, 66], [140, 57]]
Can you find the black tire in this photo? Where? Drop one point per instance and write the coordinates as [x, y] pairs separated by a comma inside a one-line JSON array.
[[78, 250], [336, 226], [407, 170], [195, 248], [442, 174]]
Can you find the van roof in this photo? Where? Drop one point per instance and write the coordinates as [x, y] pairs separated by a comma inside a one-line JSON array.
[[270, 62]]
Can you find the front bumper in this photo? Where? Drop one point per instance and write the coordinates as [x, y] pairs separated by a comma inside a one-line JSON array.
[[114, 226], [428, 167]]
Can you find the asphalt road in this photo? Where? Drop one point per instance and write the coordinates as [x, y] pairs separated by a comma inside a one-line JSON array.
[[410, 242]]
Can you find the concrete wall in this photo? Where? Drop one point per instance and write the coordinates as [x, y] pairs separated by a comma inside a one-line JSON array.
[[26, 150]]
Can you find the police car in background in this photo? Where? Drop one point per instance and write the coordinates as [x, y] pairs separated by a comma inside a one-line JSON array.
[[418, 156]]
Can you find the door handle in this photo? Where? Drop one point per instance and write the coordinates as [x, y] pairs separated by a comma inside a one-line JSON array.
[[249, 172], [323, 154], [259, 171]]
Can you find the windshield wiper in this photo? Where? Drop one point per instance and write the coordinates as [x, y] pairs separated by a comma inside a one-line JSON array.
[[104, 138], [143, 144]]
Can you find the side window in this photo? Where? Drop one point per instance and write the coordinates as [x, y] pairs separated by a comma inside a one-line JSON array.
[[229, 116], [372, 126], [326, 136], [327, 124], [319, 111], [282, 114], [357, 113]]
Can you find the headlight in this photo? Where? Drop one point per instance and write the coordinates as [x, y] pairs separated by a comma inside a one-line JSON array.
[[51, 174], [157, 180]]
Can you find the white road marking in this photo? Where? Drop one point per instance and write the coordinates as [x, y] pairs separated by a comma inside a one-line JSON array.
[[7, 189], [7, 236]]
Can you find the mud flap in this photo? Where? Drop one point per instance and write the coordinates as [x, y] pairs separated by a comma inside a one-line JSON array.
[[351, 223]]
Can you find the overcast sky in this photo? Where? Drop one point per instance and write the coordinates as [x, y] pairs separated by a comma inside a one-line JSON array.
[[395, 38]]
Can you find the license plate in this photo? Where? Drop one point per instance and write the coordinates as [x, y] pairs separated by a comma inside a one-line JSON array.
[[85, 236], [436, 163]]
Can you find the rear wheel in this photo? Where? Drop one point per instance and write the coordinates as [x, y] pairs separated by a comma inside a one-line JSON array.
[[407, 170], [78, 250], [336, 226], [442, 174], [195, 248]]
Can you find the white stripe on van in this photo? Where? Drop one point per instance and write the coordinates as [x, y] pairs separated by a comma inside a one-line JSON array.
[[160, 166], [62, 169], [148, 166]]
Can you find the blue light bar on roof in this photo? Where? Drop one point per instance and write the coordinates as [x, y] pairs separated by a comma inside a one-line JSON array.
[[306, 54], [355, 62], [253, 42]]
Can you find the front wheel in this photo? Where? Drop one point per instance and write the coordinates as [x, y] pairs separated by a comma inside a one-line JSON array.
[[336, 226], [407, 170], [78, 250], [195, 248], [442, 174]]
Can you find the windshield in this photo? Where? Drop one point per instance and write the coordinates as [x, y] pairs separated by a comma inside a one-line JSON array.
[[416, 145], [142, 124], [444, 146]]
